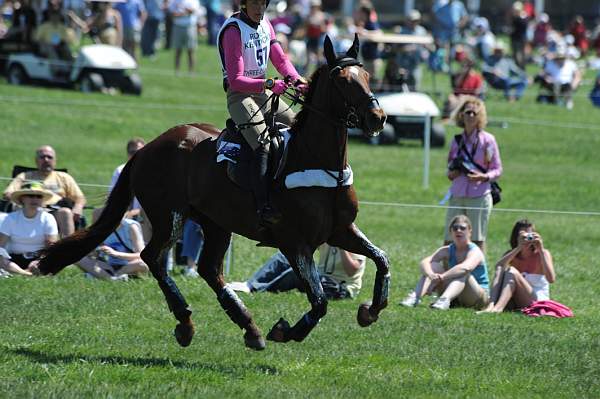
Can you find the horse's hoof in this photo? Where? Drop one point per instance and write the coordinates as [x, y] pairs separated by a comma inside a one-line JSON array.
[[364, 317], [254, 342], [280, 331], [184, 334]]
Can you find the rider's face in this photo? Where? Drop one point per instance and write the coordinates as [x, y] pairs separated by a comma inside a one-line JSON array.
[[256, 9]]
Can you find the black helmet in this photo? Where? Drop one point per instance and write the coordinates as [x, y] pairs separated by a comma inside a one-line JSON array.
[[243, 4]]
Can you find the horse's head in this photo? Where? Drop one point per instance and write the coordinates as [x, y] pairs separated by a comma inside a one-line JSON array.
[[360, 107]]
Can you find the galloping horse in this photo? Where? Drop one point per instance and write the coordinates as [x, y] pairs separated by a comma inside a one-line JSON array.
[[176, 177]]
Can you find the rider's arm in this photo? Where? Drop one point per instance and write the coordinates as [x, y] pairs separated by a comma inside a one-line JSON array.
[[234, 63], [280, 60]]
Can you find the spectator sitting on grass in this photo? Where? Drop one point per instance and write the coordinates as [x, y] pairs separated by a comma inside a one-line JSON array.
[[561, 78], [25, 232], [457, 272], [524, 273], [119, 256], [340, 273], [503, 73]]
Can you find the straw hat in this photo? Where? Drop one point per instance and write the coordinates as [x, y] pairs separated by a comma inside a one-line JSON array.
[[31, 188]]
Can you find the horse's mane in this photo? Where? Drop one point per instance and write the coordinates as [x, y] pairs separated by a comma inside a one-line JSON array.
[[302, 116]]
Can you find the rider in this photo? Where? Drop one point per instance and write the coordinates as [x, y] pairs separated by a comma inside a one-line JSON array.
[[246, 43]]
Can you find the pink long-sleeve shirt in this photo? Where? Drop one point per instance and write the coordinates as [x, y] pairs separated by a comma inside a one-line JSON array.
[[486, 155], [234, 62]]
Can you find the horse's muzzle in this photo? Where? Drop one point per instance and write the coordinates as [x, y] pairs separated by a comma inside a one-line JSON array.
[[374, 121]]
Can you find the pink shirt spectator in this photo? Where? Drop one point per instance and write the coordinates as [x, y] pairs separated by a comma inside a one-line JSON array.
[[484, 150], [234, 62]]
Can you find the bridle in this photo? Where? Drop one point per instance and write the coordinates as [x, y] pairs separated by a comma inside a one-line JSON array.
[[351, 118], [352, 111]]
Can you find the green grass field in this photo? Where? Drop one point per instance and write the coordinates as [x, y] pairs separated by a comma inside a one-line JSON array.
[[68, 336]]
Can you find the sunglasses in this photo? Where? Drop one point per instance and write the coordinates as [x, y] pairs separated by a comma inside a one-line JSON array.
[[470, 113], [459, 227], [33, 196]]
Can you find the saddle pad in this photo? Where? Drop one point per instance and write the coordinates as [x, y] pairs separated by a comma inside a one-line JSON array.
[[228, 151], [318, 178]]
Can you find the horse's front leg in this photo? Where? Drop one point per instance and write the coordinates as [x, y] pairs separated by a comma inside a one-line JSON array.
[[302, 261], [353, 240]]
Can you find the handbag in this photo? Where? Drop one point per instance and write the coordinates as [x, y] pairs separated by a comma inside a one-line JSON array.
[[496, 190]]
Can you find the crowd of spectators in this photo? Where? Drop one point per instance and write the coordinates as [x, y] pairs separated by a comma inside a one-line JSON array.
[[47, 203], [301, 25], [556, 57]]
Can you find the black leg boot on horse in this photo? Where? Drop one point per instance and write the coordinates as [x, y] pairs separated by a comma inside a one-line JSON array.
[[267, 215]]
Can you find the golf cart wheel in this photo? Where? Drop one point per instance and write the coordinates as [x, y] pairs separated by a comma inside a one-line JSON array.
[[16, 75], [91, 82], [438, 135], [132, 84]]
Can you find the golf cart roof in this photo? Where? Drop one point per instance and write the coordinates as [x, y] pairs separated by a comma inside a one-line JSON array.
[[408, 104], [396, 38]]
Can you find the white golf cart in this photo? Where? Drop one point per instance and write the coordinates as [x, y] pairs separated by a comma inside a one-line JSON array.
[[97, 67], [409, 113]]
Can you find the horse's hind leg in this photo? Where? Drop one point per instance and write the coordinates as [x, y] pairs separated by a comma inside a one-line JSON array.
[[210, 267], [353, 240], [301, 260], [165, 231]]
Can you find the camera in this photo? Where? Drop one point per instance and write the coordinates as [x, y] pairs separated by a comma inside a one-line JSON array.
[[455, 164], [462, 165], [529, 237]]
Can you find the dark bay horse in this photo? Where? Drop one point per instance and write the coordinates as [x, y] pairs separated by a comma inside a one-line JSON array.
[[175, 177]]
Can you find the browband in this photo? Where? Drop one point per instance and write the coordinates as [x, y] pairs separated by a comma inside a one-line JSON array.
[[343, 63]]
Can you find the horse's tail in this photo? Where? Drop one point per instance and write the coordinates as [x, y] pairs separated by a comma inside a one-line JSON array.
[[74, 247]]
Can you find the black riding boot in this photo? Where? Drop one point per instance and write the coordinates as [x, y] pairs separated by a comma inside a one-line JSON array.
[[260, 187]]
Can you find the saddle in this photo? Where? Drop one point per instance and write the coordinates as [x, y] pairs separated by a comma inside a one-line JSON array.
[[233, 149]]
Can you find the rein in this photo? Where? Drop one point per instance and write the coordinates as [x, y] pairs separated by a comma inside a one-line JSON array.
[[340, 125], [351, 120]]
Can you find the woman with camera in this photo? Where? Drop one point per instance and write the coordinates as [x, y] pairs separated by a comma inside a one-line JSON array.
[[473, 164], [524, 273]]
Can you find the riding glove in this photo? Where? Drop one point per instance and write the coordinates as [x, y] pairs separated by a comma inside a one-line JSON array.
[[279, 87]]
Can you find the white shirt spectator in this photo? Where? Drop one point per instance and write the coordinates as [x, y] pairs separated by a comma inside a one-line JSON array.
[[561, 74], [179, 6], [25, 234]]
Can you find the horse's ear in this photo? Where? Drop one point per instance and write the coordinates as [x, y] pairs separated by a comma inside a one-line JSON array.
[[329, 53], [353, 50]]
